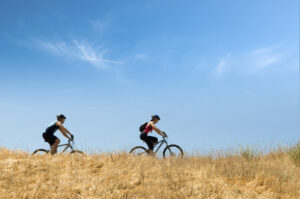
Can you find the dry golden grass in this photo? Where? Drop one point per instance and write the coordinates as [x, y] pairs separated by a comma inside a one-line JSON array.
[[124, 176]]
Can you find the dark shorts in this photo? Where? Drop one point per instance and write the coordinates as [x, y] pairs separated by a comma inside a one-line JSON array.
[[50, 138], [150, 140]]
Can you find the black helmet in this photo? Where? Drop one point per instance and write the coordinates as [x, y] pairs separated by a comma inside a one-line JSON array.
[[155, 117], [60, 116]]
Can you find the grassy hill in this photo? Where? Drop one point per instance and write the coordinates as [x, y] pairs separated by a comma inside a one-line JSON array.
[[218, 176]]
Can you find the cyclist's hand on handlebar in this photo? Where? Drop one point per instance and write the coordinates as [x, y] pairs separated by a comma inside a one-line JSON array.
[[72, 138], [164, 134]]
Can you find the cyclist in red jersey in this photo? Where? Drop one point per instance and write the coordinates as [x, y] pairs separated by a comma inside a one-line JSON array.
[[151, 140]]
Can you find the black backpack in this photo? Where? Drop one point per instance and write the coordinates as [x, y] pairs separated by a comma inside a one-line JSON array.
[[143, 126]]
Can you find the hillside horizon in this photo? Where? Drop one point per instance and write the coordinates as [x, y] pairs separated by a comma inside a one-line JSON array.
[[244, 175]]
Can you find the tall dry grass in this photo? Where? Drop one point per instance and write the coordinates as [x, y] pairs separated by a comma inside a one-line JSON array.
[[218, 176]]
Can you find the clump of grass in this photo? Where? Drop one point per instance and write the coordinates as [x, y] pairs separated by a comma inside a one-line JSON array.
[[294, 154], [249, 153]]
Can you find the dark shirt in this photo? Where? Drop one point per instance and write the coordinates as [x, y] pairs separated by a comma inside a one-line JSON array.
[[52, 129]]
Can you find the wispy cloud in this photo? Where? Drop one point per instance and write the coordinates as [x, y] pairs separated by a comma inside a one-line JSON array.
[[222, 65], [99, 25], [80, 51], [256, 61], [265, 57], [140, 57]]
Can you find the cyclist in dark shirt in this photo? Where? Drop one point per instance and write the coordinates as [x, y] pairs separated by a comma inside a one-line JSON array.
[[49, 136]]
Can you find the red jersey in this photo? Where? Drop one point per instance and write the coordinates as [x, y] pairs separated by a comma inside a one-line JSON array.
[[148, 128]]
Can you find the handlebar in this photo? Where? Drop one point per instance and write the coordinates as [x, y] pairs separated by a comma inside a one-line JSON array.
[[71, 140], [165, 135]]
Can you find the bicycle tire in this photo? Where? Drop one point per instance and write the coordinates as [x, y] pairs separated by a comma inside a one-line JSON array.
[[40, 150], [144, 150], [173, 146]]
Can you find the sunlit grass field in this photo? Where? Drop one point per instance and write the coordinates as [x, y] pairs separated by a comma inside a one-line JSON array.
[[245, 174]]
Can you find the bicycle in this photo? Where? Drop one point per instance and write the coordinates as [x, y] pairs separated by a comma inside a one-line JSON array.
[[68, 145], [172, 150]]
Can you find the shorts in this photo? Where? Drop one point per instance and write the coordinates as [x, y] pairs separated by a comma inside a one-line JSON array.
[[50, 138], [150, 140]]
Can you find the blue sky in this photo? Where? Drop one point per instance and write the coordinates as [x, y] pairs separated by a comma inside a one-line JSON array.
[[219, 73]]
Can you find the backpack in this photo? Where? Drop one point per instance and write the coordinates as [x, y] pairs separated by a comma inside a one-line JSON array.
[[143, 126]]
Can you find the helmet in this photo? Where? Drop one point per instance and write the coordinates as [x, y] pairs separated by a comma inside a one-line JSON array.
[[61, 116], [156, 117]]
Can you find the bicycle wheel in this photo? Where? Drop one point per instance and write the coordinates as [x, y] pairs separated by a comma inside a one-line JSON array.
[[76, 152], [173, 151], [139, 150], [40, 152]]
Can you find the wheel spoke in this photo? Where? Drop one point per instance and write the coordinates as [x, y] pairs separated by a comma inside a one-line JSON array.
[[171, 153]]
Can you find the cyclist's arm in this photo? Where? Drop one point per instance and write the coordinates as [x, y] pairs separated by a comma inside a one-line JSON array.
[[63, 130], [158, 130], [68, 132]]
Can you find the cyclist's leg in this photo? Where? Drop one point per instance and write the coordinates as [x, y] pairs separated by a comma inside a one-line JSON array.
[[53, 141], [148, 141], [54, 146], [153, 139], [154, 142]]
